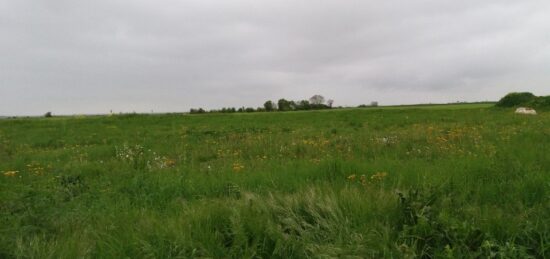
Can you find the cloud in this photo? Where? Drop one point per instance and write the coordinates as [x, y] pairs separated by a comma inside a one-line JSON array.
[[91, 57]]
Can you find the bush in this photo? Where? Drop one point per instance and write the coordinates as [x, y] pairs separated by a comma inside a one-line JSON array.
[[515, 99], [48, 115], [541, 101], [524, 99]]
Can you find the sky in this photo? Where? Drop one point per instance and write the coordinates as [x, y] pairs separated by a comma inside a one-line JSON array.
[[93, 57]]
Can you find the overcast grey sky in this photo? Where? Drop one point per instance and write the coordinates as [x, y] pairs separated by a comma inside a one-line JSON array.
[[72, 57]]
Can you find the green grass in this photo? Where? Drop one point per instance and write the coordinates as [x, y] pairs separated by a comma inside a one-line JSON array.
[[455, 106], [392, 182]]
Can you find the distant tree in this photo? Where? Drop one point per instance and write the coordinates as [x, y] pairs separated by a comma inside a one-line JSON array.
[[269, 106], [374, 104], [293, 105], [48, 115], [330, 102], [303, 105], [228, 110], [283, 105], [199, 110], [317, 99], [249, 109]]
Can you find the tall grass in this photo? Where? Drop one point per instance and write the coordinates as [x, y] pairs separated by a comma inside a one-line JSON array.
[[392, 183]]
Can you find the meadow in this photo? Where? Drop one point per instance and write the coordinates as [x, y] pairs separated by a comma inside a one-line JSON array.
[[403, 182]]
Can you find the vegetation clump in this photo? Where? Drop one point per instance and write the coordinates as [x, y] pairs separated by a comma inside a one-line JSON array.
[[316, 102], [524, 99]]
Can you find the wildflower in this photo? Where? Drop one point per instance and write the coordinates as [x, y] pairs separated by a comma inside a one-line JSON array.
[[351, 177], [10, 173], [379, 176], [237, 167], [169, 162]]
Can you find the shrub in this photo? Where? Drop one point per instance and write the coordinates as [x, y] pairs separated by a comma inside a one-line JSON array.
[[48, 115], [524, 98], [515, 99], [541, 101]]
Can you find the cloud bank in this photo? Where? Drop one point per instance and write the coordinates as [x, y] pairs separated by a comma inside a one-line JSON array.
[[74, 57]]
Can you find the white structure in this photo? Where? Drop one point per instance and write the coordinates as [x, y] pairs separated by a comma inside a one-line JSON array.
[[523, 110]]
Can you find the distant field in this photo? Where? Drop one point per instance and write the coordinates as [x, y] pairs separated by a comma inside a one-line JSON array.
[[442, 181], [442, 106]]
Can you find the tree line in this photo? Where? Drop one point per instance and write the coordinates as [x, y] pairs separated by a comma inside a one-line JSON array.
[[316, 102]]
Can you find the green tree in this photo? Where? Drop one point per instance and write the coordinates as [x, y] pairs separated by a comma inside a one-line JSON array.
[[303, 105], [269, 106], [284, 105], [317, 100]]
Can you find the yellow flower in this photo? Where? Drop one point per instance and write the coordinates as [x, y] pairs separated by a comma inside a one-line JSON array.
[[10, 173], [237, 167], [379, 176]]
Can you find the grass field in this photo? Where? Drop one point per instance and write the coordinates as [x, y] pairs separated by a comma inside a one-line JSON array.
[[443, 182]]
